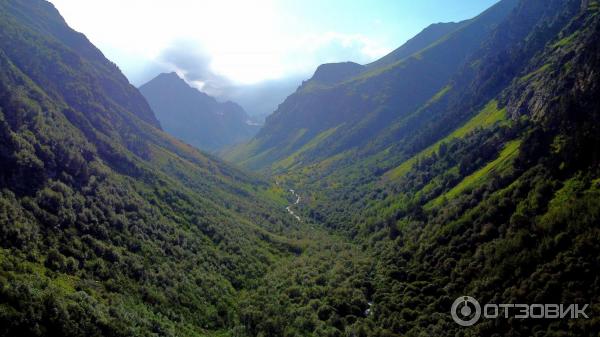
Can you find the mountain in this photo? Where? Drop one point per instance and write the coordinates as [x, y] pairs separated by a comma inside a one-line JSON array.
[[480, 177], [332, 73], [108, 225], [345, 105], [487, 184], [195, 117], [422, 40]]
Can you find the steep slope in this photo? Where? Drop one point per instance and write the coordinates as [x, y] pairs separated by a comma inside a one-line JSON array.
[[194, 116], [489, 189], [110, 86], [472, 93], [108, 226], [333, 73], [421, 41], [522, 226], [351, 111]]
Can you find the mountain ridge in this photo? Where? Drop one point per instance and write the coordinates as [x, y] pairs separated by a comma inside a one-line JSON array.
[[366, 103], [487, 184]]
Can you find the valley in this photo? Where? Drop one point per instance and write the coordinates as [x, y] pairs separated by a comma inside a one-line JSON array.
[[454, 195], [464, 162]]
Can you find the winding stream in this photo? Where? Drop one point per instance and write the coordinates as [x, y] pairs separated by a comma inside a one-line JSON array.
[[289, 208]]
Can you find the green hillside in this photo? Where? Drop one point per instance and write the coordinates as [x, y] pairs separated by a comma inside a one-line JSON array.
[[486, 118], [488, 188], [466, 162], [108, 226]]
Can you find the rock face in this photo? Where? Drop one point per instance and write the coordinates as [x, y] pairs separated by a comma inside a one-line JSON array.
[[195, 117]]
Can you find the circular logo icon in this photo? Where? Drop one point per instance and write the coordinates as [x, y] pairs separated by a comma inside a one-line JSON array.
[[466, 311]]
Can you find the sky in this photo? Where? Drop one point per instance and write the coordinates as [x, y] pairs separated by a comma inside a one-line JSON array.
[[217, 45]]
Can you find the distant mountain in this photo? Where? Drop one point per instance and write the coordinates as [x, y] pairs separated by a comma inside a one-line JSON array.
[[261, 99], [195, 117]]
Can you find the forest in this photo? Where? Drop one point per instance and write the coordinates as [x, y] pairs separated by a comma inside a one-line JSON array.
[[485, 183]]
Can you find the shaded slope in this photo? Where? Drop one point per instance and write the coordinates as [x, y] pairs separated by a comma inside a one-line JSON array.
[[422, 40], [412, 138], [523, 227], [108, 226], [105, 84]]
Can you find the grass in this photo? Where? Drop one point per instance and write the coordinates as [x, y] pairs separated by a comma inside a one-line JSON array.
[[434, 182], [488, 116], [440, 94], [258, 160], [535, 72], [59, 281], [565, 41], [291, 160], [66, 282], [275, 193], [510, 150], [238, 152]]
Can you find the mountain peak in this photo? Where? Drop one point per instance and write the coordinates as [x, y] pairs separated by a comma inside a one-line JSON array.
[[172, 84], [331, 73], [194, 116], [171, 77]]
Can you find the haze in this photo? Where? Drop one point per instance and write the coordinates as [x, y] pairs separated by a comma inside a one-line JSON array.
[[221, 47]]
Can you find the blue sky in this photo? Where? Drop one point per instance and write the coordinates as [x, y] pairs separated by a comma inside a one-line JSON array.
[[217, 43], [393, 21]]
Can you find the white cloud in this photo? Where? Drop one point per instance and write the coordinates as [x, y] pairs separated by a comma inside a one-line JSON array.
[[242, 41]]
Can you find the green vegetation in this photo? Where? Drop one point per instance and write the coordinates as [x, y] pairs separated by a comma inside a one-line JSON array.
[[441, 93], [500, 203], [110, 227], [319, 293], [541, 69], [495, 167], [488, 116], [288, 162], [565, 41]]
